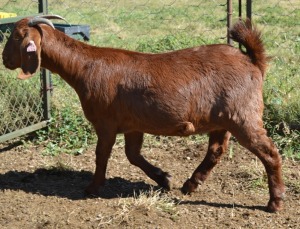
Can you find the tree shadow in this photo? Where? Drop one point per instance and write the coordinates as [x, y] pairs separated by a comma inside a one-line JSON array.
[[67, 184]]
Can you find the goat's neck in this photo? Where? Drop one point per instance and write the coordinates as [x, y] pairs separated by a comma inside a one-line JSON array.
[[64, 56]]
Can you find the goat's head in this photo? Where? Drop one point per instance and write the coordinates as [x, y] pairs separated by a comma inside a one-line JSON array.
[[23, 48]]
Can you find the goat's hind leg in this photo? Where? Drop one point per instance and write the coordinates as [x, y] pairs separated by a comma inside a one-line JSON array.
[[218, 143], [263, 147], [133, 145]]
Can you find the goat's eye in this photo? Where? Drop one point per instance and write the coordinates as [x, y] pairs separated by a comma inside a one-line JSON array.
[[17, 37]]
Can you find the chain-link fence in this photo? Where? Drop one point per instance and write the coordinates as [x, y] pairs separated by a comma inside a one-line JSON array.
[[162, 25], [280, 24], [279, 21], [22, 103], [129, 24]]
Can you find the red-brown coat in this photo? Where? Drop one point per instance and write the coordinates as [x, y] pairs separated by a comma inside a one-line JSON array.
[[215, 89]]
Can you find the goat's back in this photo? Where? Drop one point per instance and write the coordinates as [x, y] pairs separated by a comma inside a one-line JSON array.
[[161, 93]]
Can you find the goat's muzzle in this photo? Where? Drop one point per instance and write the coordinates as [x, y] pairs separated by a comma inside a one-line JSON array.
[[6, 62]]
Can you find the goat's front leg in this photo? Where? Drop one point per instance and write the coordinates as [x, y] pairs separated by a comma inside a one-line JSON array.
[[218, 143], [103, 151], [133, 145]]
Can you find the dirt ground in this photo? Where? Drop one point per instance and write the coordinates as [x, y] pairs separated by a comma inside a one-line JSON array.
[[47, 192]]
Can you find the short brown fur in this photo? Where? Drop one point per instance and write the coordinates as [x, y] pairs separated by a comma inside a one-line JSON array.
[[215, 89]]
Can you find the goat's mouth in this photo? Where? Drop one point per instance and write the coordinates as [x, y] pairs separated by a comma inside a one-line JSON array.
[[8, 64]]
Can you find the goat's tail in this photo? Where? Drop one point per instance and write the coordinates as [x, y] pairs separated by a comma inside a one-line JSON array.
[[250, 38]]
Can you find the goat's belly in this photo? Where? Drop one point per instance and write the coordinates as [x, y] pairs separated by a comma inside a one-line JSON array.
[[180, 129], [184, 128]]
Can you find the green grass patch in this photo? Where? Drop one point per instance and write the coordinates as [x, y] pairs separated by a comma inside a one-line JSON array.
[[68, 132]]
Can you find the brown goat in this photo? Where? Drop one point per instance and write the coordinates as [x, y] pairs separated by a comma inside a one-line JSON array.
[[215, 89]]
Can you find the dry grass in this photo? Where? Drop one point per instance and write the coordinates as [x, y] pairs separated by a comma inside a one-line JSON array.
[[144, 203]]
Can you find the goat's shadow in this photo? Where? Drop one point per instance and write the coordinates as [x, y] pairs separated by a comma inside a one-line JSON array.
[[70, 184], [222, 205], [67, 184]]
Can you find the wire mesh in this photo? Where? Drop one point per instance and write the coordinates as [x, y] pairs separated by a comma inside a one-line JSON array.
[[127, 23], [20, 8], [21, 102], [279, 21]]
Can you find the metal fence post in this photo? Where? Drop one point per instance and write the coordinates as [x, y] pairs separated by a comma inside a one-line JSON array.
[[249, 9], [43, 6], [229, 19], [46, 87], [240, 17], [45, 74]]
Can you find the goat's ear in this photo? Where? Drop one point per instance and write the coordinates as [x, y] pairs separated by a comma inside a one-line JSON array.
[[30, 59]]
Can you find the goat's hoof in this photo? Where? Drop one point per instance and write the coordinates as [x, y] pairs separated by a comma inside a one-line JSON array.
[[164, 180], [275, 205], [189, 187], [91, 191]]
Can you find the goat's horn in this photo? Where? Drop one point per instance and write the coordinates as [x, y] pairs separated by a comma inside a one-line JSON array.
[[44, 19], [53, 16]]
